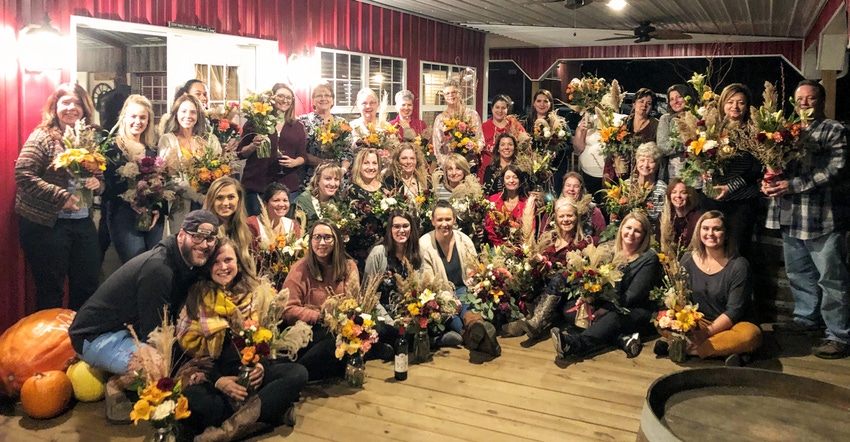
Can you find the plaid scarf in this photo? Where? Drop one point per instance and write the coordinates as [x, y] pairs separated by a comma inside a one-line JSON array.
[[205, 336]]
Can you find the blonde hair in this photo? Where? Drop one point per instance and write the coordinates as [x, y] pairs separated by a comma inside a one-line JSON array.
[[645, 225], [147, 137], [356, 176], [235, 228], [565, 202], [317, 175], [419, 173]]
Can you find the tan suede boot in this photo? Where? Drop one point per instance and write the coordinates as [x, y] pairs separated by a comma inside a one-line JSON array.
[[238, 426]]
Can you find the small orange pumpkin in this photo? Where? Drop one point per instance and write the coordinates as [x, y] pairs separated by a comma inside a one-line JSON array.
[[36, 343], [46, 395]]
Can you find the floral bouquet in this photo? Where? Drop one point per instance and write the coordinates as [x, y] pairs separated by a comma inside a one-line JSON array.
[[591, 275], [82, 159], [253, 342], [160, 395], [222, 122], [335, 139], [551, 134], [460, 136], [380, 135], [706, 142], [427, 148], [275, 258], [531, 271], [208, 167], [259, 110], [586, 94], [148, 187], [506, 226], [269, 304], [424, 302], [488, 279], [382, 204], [622, 198], [537, 164], [774, 143], [618, 144], [679, 315], [340, 213], [424, 203]]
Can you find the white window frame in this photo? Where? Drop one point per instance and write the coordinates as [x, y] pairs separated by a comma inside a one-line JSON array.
[[365, 81]]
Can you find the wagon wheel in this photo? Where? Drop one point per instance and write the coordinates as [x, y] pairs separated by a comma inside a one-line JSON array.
[[99, 92]]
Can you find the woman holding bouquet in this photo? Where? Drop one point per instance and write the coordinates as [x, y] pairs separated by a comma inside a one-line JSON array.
[[325, 266], [408, 173], [409, 127], [500, 122], [455, 109], [367, 104], [610, 325], [639, 125], [272, 221], [364, 184], [543, 108], [185, 138], [680, 215], [55, 232], [324, 188], [204, 329], [133, 143], [672, 148], [568, 235], [646, 164], [323, 101], [738, 182], [288, 152], [226, 199], [593, 224], [720, 283], [507, 149], [511, 204]]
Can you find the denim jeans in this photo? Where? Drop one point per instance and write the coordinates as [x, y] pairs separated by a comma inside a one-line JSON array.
[[819, 282], [455, 323], [252, 203], [128, 241], [110, 351]]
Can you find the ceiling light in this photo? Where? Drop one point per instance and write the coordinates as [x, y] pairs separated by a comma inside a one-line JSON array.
[[38, 44], [617, 5]]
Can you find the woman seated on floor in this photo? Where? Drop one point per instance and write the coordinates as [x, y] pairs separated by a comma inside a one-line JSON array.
[[204, 329], [721, 285], [611, 325]]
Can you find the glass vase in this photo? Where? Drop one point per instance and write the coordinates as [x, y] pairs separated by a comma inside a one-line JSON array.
[[708, 186], [244, 379], [144, 221], [84, 195], [355, 370], [678, 349], [164, 434], [421, 347]]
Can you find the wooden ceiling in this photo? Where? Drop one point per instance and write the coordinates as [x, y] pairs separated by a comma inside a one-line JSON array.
[[546, 23]]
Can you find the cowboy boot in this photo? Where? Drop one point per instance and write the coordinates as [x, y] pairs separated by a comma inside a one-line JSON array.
[[513, 329], [541, 318], [480, 335], [241, 424]]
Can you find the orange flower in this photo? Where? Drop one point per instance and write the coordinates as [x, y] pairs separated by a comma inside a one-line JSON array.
[[249, 355]]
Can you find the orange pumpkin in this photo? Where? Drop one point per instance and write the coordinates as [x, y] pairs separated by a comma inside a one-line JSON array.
[[46, 395], [36, 343]]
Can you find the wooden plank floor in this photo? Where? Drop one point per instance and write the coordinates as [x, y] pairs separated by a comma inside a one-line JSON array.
[[523, 395]]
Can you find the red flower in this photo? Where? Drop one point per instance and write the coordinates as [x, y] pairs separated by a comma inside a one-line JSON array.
[[165, 384], [761, 137], [223, 125]]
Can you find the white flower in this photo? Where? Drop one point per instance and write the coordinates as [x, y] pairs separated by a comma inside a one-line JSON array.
[[527, 267], [561, 133], [163, 410], [128, 170], [709, 145], [547, 133], [701, 111]]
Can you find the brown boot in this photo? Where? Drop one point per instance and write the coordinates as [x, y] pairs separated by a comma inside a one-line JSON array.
[[241, 424], [513, 329], [480, 335]]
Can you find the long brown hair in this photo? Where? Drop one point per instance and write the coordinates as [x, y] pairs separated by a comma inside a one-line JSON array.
[[339, 259], [172, 125], [49, 118], [411, 247], [289, 115], [668, 213], [244, 283], [730, 248]]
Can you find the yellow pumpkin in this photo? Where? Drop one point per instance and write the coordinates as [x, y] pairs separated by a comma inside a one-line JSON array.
[[46, 395], [89, 383], [36, 343]]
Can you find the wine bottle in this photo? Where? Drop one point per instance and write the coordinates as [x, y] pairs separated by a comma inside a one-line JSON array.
[[401, 356]]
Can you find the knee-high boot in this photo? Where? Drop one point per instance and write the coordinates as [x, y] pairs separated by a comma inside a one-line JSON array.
[[541, 318], [241, 424], [480, 335]]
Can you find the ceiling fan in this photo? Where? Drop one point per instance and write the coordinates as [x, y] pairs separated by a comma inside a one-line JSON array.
[[646, 32]]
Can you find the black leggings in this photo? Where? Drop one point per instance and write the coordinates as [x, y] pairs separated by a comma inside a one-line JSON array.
[[319, 356], [606, 329], [282, 385]]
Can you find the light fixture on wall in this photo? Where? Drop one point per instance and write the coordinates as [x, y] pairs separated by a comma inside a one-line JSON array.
[[41, 47], [617, 5], [301, 70]]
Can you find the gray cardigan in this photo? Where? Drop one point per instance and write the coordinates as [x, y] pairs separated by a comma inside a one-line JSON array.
[[431, 261]]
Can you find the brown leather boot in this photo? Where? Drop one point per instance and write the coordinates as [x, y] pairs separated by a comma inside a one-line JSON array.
[[480, 335], [240, 425]]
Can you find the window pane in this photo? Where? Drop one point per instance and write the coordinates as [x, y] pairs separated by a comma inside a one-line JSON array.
[[216, 83], [342, 66], [232, 83], [327, 65]]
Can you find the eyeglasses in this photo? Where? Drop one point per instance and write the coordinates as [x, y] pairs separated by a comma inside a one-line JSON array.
[[198, 238], [284, 97], [321, 96], [401, 226], [322, 238], [451, 93]]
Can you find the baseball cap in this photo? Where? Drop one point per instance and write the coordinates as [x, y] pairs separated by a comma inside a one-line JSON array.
[[195, 218]]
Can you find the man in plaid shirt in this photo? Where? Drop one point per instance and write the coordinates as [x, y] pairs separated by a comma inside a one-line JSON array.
[[807, 205]]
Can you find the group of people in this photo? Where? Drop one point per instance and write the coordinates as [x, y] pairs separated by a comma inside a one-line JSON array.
[[199, 252]]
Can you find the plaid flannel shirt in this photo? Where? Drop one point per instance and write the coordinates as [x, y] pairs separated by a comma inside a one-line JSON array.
[[809, 208]]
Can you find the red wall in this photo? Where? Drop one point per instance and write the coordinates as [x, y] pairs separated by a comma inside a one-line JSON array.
[[535, 62], [295, 24]]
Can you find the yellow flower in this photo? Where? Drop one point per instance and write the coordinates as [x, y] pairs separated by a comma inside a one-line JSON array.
[[141, 411], [697, 145], [614, 192], [686, 320], [662, 258], [326, 137], [154, 395], [340, 350], [707, 95], [182, 410], [263, 335], [595, 288], [497, 294], [419, 199], [413, 309]]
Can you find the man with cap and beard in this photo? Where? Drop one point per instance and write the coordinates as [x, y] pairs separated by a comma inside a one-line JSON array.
[[136, 294]]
